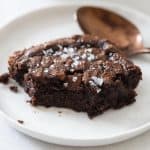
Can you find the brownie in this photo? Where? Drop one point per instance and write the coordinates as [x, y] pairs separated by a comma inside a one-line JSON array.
[[83, 73]]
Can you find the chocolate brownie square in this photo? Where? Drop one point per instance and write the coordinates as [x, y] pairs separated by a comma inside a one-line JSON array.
[[83, 73]]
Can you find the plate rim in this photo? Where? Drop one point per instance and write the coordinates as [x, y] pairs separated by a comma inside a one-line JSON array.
[[75, 141]]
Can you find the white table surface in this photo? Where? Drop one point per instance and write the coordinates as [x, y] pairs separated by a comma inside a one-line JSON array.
[[11, 139]]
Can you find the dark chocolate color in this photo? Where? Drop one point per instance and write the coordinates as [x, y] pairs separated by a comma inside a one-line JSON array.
[[4, 78], [14, 88], [20, 121], [83, 73]]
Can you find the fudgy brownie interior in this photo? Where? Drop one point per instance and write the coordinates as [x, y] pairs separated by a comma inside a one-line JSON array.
[[83, 73]]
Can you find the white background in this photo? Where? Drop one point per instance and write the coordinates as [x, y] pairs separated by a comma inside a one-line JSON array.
[[11, 139]]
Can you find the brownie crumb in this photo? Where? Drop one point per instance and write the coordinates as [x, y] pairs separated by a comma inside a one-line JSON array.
[[20, 121], [28, 101], [4, 78], [14, 88]]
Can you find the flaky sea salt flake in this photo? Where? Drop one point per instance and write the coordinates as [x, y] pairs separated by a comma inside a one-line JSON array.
[[97, 81], [74, 79], [46, 70], [65, 84]]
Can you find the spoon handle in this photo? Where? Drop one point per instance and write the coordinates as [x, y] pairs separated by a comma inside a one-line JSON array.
[[137, 52]]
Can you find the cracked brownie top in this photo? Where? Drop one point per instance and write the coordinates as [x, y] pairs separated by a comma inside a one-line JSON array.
[[75, 61]]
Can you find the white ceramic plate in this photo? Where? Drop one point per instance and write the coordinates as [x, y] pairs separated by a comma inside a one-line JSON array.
[[69, 127]]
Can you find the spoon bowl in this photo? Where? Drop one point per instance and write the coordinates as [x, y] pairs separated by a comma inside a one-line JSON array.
[[107, 24]]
